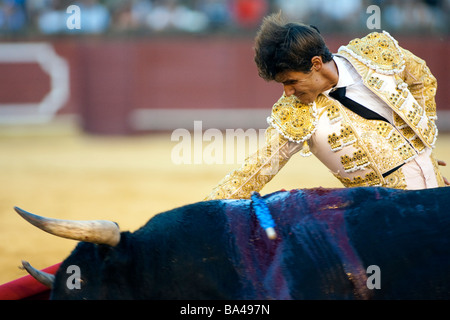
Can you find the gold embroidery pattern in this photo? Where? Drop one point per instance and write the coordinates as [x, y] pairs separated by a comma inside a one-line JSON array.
[[345, 138], [396, 140], [406, 152], [430, 133], [386, 147], [398, 121], [410, 115], [378, 51], [418, 144], [370, 179], [397, 98], [422, 86], [395, 180], [333, 114], [415, 115], [375, 82], [357, 161], [292, 119], [421, 83], [384, 129], [408, 133], [391, 135]]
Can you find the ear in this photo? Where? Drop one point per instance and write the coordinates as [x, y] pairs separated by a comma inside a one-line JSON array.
[[317, 63]]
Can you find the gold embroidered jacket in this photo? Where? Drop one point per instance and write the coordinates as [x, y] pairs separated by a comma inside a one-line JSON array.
[[356, 150]]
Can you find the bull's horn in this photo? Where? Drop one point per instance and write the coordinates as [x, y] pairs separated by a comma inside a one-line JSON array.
[[95, 231], [46, 279]]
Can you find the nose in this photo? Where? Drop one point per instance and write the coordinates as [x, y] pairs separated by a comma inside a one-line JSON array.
[[288, 91]]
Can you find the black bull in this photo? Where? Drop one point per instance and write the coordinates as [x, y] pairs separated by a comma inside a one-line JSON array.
[[327, 239]]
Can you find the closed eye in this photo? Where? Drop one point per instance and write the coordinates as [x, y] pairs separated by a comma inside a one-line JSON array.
[[289, 82]]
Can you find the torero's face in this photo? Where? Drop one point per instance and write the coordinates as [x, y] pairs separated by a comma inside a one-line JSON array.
[[300, 84], [307, 86]]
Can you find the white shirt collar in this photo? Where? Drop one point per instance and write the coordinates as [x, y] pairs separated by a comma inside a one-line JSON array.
[[345, 77]]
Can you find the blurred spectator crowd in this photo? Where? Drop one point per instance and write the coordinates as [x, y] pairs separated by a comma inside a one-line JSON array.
[[47, 17]]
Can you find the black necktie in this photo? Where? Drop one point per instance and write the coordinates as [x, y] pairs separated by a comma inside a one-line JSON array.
[[339, 95]]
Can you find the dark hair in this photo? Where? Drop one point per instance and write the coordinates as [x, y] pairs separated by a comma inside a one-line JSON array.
[[281, 46]]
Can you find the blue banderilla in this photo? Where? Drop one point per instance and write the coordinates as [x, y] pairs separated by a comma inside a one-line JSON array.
[[263, 214]]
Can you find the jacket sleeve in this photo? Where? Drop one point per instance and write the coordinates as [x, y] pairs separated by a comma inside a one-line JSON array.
[[421, 83], [258, 169]]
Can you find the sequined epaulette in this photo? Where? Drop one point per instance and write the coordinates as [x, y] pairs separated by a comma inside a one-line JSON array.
[[292, 119], [378, 51]]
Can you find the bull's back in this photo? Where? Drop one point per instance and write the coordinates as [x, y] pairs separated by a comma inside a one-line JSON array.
[[330, 237]]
